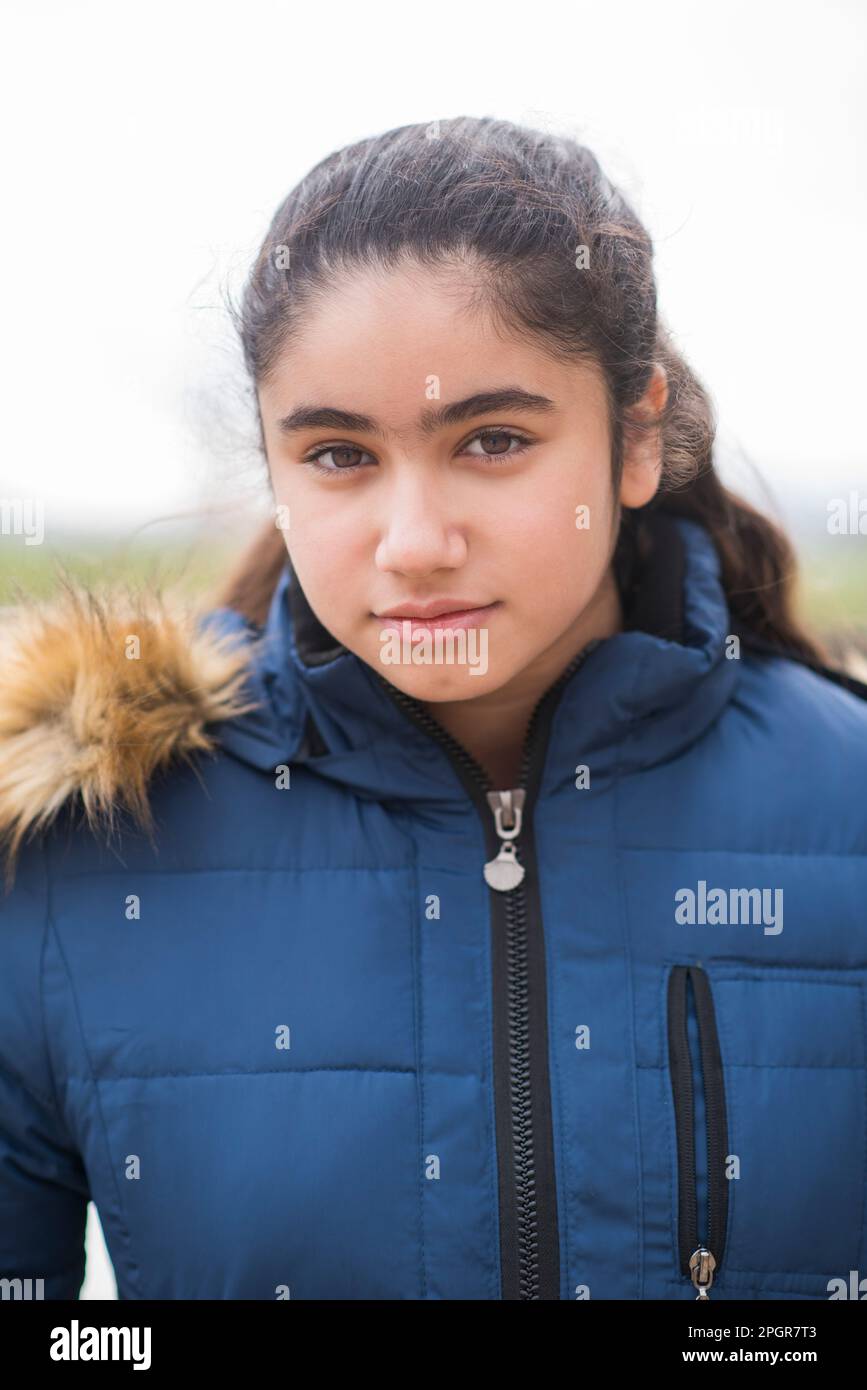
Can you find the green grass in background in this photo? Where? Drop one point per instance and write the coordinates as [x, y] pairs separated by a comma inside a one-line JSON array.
[[195, 566], [834, 583]]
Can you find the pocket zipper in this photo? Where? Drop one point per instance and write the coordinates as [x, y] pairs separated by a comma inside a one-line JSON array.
[[699, 1258]]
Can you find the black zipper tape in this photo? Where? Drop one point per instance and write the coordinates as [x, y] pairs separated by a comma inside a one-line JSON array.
[[530, 1251], [683, 1085]]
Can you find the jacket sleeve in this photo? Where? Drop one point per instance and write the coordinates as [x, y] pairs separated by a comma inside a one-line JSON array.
[[43, 1184]]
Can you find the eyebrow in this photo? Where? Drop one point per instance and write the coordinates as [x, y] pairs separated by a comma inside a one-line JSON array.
[[438, 417]]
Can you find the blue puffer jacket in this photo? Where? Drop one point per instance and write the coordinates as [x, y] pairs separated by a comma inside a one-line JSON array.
[[297, 1044]]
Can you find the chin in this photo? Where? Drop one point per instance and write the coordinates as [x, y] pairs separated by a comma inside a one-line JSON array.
[[439, 683]]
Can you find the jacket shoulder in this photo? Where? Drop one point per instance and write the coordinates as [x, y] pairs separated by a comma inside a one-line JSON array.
[[826, 694], [99, 690], [806, 720]]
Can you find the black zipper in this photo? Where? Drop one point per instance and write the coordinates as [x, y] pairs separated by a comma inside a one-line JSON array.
[[700, 1251], [529, 1237]]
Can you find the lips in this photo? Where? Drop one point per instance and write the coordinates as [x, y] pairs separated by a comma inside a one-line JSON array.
[[437, 615], [434, 608]]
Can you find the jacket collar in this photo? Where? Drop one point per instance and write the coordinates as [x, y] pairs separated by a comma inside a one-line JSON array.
[[638, 698]]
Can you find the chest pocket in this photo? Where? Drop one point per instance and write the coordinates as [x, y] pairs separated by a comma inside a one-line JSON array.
[[768, 1088]]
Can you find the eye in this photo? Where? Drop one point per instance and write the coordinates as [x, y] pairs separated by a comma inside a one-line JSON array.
[[312, 459], [498, 435]]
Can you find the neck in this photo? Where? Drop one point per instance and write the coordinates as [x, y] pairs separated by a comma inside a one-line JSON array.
[[493, 727]]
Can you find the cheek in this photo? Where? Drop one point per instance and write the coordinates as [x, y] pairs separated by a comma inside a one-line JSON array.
[[558, 541], [327, 550], [559, 578]]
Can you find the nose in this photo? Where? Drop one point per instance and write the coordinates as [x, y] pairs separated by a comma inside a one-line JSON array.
[[419, 532]]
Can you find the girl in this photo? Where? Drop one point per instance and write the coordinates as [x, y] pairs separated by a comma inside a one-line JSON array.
[[470, 905]]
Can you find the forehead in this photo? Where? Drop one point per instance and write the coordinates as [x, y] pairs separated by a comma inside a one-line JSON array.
[[388, 343]]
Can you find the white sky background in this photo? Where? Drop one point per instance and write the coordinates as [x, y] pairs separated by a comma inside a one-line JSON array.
[[146, 148]]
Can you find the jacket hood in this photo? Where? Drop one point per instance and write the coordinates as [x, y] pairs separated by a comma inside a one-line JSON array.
[[98, 692], [637, 698], [80, 718]]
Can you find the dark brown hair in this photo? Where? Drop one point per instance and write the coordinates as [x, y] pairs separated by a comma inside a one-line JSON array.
[[512, 205]]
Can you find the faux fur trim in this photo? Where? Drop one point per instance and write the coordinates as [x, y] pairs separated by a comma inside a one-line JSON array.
[[98, 690]]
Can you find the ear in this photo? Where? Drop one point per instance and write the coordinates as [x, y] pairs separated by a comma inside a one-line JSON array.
[[642, 444]]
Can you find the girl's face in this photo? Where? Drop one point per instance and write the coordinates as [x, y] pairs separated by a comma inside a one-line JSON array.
[[425, 491]]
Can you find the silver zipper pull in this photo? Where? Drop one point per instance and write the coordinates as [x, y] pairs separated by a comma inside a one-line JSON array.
[[701, 1267], [505, 872]]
